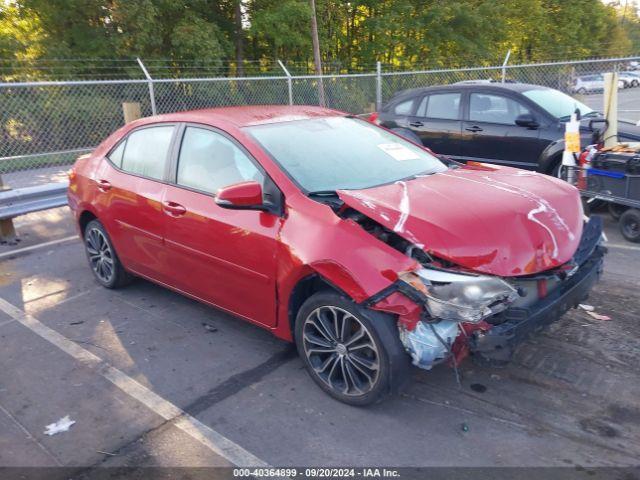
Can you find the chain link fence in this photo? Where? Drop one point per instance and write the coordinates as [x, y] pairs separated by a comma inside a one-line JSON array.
[[44, 126]]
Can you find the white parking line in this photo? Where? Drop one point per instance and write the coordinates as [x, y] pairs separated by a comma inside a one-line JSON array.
[[31, 248], [622, 246], [215, 441]]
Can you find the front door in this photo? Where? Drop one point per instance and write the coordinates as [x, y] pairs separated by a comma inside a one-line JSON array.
[[225, 257]]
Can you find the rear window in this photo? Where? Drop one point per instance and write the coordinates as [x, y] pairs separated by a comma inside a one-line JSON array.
[[116, 155], [146, 151], [404, 108]]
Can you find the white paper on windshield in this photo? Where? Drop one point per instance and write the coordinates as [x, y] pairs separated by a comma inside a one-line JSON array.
[[398, 152]]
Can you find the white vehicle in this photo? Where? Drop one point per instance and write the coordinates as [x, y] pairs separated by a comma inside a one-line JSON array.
[[591, 84], [630, 79]]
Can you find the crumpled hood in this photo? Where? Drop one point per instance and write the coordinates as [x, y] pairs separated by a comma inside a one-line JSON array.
[[501, 221]]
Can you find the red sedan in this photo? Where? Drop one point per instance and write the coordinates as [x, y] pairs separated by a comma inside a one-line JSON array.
[[366, 250]]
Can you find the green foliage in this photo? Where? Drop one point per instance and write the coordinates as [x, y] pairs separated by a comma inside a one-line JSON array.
[[354, 34], [194, 38]]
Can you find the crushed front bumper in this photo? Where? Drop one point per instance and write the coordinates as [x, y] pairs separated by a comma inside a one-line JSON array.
[[499, 342]]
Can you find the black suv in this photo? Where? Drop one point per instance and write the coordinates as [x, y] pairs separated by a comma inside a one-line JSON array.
[[513, 124]]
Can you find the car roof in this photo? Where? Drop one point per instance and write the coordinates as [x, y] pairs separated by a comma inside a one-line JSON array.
[[243, 116], [513, 87]]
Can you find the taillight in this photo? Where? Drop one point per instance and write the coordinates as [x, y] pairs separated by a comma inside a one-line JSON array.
[[373, 118]]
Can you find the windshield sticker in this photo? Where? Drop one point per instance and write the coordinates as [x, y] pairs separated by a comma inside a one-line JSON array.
[[398, 152]]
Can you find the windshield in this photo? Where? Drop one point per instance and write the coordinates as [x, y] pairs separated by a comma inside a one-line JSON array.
[[558, 104], [331, 153]]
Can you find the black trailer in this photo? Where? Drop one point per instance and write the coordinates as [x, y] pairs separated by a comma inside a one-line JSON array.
[[614, 177]]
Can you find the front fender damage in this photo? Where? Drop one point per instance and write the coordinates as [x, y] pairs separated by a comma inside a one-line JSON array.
[[428, 341]]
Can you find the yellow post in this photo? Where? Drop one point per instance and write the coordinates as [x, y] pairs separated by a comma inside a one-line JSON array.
[[131, 111], [611, 109]]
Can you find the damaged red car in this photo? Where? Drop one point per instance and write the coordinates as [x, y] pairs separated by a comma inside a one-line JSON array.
[[371, 253]]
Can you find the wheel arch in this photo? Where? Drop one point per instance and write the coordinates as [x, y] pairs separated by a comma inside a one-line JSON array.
[[550, 158], [304, 288], [84, 218]]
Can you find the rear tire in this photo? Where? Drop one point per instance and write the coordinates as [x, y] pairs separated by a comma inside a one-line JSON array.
[[103, 259], [352, 353], [630, 225]]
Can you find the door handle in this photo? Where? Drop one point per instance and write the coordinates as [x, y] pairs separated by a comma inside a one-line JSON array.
[[475, 128], [103, 185], [416, 124], [174, 209]]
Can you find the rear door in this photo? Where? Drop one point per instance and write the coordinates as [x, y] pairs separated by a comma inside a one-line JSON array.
[[438, 121], [491, 134], [131, 187], [225, 257]]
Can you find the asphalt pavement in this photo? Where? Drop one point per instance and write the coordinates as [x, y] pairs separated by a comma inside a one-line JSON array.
[[151, 378]]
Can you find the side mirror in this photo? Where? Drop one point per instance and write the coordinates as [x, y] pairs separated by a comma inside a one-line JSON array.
[[527, 120], [241, 196]]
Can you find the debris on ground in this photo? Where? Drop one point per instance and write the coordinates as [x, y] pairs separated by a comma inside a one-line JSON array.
[[597, 316], [106, 453], [79, 322], [591, 311], [209, 328], [464, 427], [61, 425]]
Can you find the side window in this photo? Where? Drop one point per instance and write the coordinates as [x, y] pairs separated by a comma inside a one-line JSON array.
[[444, 106], [146, 151], [494, 109], [209, 161], [403, 108], [116, 154]]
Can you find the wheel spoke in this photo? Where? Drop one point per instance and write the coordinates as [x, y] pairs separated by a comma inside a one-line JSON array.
[[323, 328], [345, 377], [330, 359], [362, 371], [359, 335], [333, 369], [365, 362], [353, 377], [345, 327], [341, 351], [318, 341]]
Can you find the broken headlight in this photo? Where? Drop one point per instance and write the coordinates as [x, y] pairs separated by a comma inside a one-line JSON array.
[[460, 297]]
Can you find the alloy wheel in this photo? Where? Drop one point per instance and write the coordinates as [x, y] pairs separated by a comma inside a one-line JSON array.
[[341, 351], [100, 255]]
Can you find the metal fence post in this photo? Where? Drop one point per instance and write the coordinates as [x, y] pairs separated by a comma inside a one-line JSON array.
[[378, 86], [289, 81], [152, 95], [504, 66]]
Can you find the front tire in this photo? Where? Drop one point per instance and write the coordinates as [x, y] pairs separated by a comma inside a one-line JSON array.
[[616, 210], [352, 353], [103, 259]]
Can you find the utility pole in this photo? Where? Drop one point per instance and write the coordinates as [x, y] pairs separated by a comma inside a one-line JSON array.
[[239, 38], [316, 52]]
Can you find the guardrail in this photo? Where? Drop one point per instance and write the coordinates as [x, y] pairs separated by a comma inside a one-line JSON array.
[[21, 201]]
